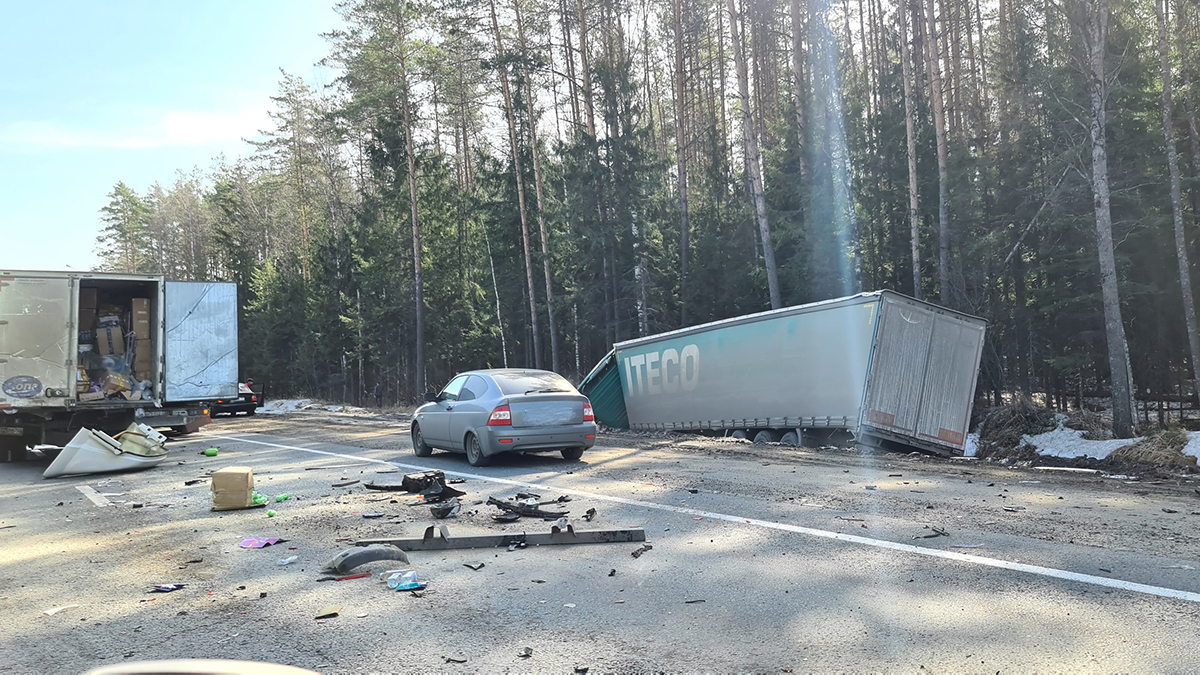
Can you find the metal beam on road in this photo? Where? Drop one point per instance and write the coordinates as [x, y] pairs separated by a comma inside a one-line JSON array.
[[555, 537], [955, 556]]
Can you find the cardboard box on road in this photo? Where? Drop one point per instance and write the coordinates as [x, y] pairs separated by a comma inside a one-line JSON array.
[[232, 488]]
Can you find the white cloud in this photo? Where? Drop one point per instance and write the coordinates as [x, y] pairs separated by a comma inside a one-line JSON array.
[[174, 128]]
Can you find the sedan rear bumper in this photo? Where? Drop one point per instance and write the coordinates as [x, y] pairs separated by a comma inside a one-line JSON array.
[[532, 439]]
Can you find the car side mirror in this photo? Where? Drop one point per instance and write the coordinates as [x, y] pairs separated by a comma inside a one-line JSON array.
[[431, 397]]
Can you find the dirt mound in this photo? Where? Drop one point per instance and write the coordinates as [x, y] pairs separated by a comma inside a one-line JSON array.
[[1002, 427], [1163, 449]]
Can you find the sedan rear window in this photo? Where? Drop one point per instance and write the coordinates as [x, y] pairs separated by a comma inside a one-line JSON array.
[[532, 382]]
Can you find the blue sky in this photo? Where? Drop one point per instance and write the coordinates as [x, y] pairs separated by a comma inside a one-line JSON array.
[[94, 93]]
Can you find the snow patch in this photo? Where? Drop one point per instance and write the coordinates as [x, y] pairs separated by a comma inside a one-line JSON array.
[[972, 445], [1070, 444], [1192, 448], [284, 406]]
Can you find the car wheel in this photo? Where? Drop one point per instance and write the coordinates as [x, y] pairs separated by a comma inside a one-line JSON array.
[[250, 411], [572, 454], [420, 447], [764, 436], [475, 456], [790, 438]]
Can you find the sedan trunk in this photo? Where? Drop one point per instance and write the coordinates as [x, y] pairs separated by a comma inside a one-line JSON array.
[[546, 410]]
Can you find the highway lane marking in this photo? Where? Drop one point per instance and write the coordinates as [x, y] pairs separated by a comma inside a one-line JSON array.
[[1051, 572]]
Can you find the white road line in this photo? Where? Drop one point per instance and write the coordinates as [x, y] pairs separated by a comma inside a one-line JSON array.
[[97, 498], [810, 531]]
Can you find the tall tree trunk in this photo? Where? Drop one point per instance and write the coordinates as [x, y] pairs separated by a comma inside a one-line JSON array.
[[681, 163], [1189, 97], [800, 93], [411, 157], [538, 194], [1181, 255], [939, 122], [753, 161], [587, 70], [914, 215], [516, 155], [568, 45], [1095, 29]]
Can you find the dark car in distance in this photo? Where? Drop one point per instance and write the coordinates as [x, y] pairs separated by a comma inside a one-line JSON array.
[[248, 401]]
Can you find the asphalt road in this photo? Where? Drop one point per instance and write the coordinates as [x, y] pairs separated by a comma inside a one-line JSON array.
[[764, 559]]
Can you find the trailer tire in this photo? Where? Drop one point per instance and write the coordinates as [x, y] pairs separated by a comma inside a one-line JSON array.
[[790, 438], [738, 433], [765, 436]]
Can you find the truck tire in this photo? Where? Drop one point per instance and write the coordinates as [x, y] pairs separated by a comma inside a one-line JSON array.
[[765, 436], [738, 433], [475, 456], [790, 438], [572, 454], [420, 447]]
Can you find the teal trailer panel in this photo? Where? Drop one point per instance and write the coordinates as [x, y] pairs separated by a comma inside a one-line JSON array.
[[602, 386]]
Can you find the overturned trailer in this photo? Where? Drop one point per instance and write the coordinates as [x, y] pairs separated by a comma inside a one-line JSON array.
[[881, 365]]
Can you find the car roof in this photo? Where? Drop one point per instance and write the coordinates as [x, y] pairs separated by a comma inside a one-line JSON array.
[[506, 371]]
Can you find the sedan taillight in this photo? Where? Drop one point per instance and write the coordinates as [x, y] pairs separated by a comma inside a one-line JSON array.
[[501, 417], [587, 413]]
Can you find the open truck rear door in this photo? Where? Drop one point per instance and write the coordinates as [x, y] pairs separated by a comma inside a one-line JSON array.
[[37, 363], [200, 341]]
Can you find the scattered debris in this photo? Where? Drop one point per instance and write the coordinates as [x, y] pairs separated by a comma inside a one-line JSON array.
[[329, 612], [93, 451], [456, 481], [936, 532], [538, 581], [526, 652], [524, 509], [446, 509], [439, 493], [1106, 571], [474, 565], [852, 520], [589, 515], [430, 542], [166, 588], [289, 560], [1014, 508], [966, 545], [345, 483], [507, 517], [387, 488], [194, 481], [581, 670], [260, 542], [454, 659], [372, 515], [528, 495], [405, 580], [569, 605], [612, 573], [56, 610], [364, 575], [416, 482], [351, 558], [638, 553], [335, 466], [692, 602], [1166, 510]]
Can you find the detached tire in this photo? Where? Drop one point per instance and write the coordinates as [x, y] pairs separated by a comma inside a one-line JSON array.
[[475, 456], [572, 454], [420, 447]]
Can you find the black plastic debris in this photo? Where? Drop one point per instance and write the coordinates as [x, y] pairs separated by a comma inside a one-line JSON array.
[[372, 515], [528, 510], [456, 481], [454, 659], [526, 652], [474, 565], [417, 482], [612, 573], [166, 588], [589, 514], [351, 558], [506, 517], [528, 495], [446, 509], [437, 492], [638, 553]]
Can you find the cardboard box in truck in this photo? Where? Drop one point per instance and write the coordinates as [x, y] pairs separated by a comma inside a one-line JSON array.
[[110, 341], [141, 318]]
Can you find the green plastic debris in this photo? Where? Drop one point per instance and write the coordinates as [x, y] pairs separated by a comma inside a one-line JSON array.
[[283, 497], [211, 452], [270, 514], [257, 499]]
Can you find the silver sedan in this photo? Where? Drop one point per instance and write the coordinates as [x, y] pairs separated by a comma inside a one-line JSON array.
[[486, 412]]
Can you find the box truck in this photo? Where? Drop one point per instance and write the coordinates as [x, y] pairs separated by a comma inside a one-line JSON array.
[[99, 350], [880, 365]]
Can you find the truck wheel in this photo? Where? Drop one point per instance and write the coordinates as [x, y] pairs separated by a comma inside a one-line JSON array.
[[738, 433], [475, 456], [572, 454], [420, 447], [765, 436], [790, 438]]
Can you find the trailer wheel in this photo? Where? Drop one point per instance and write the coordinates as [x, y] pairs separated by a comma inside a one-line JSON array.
[[738, 433], [765, 436], [790, 438]]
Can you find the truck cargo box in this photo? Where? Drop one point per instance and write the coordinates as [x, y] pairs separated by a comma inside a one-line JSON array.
[[882, 365]]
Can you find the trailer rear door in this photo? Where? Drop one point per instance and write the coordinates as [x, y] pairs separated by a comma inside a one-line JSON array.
[[200, 342], [36, 350]]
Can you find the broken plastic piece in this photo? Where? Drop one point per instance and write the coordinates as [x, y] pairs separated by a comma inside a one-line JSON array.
[[508, 517], [589, 514], [446, 509], [166, 588], [372, 515], [56, 610], [416, 482], [439, 493], [344, 484], [351, 558], [329, 612], [474, 565], [526, 652], [405, 581], [638, 553], [289, 560], [260, 542]]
